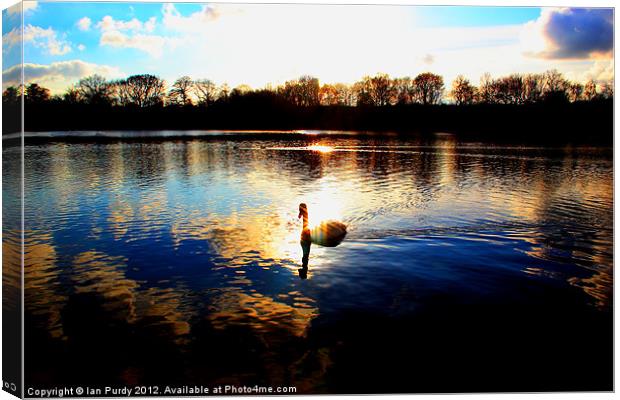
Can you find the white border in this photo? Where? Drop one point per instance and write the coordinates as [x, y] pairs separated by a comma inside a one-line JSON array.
[[539, 3]]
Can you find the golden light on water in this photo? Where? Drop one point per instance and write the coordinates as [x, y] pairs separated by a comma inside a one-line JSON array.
[[321, 149]]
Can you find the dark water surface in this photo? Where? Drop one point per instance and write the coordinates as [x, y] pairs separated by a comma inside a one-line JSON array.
[[467, 267]]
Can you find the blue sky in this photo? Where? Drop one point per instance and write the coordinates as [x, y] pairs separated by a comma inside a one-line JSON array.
[[268, 44]]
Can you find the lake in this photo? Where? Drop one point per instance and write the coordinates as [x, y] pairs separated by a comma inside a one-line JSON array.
[[467, 266]]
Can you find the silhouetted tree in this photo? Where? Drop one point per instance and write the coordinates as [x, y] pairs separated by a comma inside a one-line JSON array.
[[181, 90], [94, 90], [36, 93], [486, 90], [463, 92], [404, 90], [428, 88], [71, 96], [11, 95], [555, 86], [205, 91], [224, 92], [382, 89], [302, 92], [375, 90], [309, 90], [240, 91], [141, 90], [362, 91], [533, 87]]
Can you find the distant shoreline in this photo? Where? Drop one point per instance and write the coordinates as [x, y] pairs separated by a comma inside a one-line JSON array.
[[582, 122]]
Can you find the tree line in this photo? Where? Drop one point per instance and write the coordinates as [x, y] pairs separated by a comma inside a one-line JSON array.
[[380, 90]]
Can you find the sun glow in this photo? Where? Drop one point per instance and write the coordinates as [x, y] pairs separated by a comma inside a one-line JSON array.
[[321, 149]]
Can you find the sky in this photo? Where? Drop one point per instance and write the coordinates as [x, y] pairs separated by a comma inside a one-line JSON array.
[[268, 44]]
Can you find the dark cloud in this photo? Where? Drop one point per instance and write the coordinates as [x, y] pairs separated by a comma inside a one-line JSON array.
[[577, 32]]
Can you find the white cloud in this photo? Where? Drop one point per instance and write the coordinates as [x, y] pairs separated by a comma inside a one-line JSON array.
[[46, 39], [428, 59], [108, 24], [84, 24], [11, 39], [195, 22], [27, 6], [81, 47], [135, 34], [57, 76], [149, 26], [153, 45], [600, 71]]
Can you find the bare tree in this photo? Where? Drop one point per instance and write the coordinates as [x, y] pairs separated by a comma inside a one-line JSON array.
[[463, 91], [310, 90], [589, 90], [533, 87], [94, 90], [486, 92], [404, 90], [382, 89], [140, 90], [554, 81], [304, 91], [429, 88], [377, 90], [71, 96], [346, 94], [363, 92], [181, 90], [328, 95], [607, 90], [206, 92], [555, 86], [575, 91]]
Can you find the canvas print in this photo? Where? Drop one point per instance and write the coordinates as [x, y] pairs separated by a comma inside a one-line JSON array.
[[291, 199]]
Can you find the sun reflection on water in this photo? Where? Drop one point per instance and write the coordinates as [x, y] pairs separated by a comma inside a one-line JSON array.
[[321, 148]]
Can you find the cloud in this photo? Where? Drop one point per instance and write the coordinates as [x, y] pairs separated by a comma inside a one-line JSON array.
[[11, 39], [600, 71], [81, 47], [428, 59], [57, 76], [194, 22], [570, 33], [84, 24], [134, 34], [108, 24], [27, 6], [46, 39], [153, 45]]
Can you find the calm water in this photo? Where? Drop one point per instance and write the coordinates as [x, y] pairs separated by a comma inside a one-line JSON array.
[[467, 266]]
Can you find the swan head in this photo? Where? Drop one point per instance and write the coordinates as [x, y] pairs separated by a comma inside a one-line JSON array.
[[303, 210]]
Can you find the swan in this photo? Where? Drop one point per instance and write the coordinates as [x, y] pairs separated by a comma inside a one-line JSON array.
[[328, 233]]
